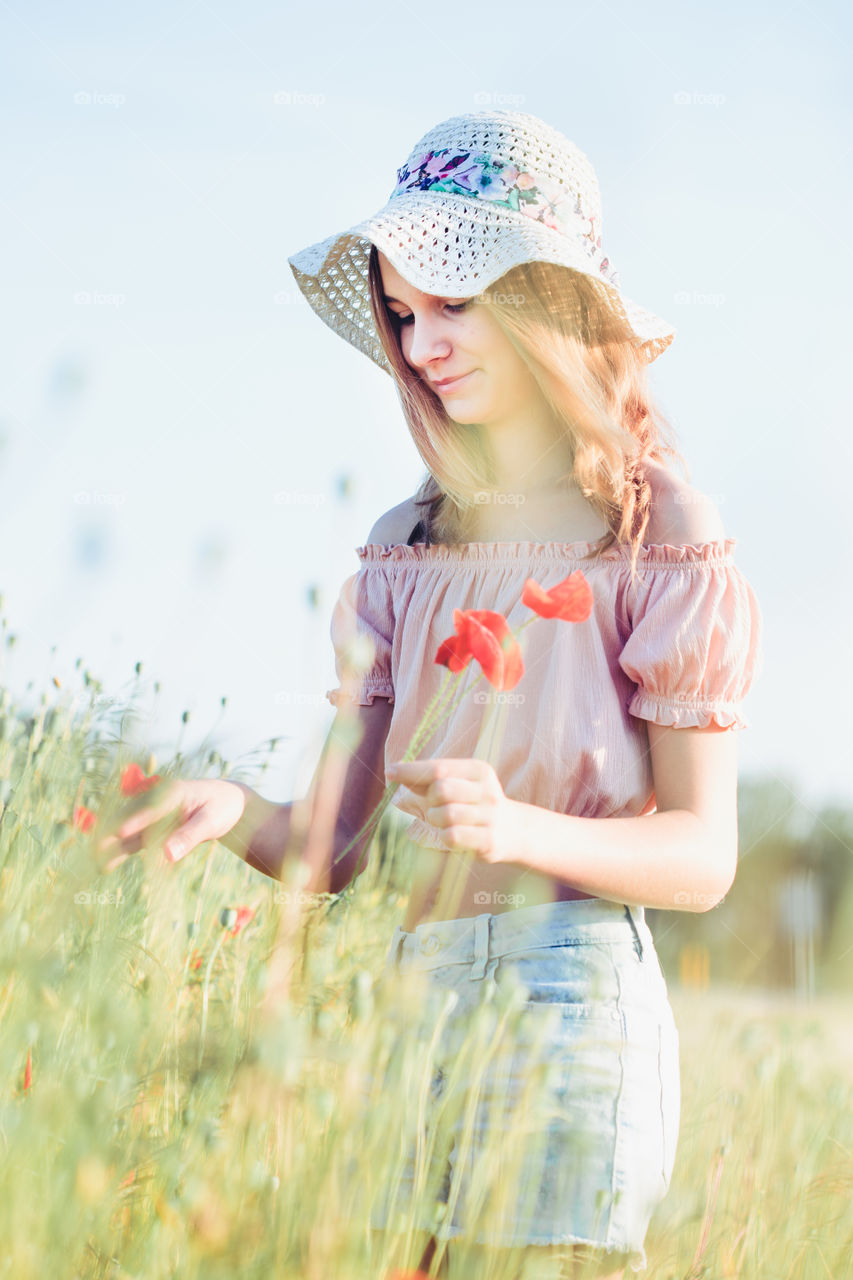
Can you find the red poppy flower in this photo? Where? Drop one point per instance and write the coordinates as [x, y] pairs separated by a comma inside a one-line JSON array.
[[244, 915], [196, 960], [28, 1070], [570, 600], [407, 1275], [84, 818], [134, 781], [484, 635]]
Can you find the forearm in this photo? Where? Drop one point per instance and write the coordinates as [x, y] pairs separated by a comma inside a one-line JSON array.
[[666, 860], [269, 834], [262, 834]]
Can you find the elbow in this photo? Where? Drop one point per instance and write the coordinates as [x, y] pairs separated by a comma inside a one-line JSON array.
[[721, 876], [718, 854], [707, 901], [718, 898], [344, 869]]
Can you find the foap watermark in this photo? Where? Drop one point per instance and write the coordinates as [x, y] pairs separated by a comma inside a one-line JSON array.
[[697, 499], [93, 98], [298, 498], [692, 98], [293, 697], [483, 696], [101, 700], [489, 98], [483, 496], [503, 299], [91, 498], [284, 297], [92, 298], [288, 898], [295, 98], [85, 898], [484, 899], [692, 897], [686, 297]]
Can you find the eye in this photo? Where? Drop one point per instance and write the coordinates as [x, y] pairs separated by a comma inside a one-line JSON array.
[[448, 306]]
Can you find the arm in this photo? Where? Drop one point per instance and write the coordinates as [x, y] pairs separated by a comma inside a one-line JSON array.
[[346, 787], [261, 835], [683, 857]]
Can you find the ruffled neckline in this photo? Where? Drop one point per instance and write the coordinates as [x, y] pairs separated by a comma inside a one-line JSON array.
[[652, 553]]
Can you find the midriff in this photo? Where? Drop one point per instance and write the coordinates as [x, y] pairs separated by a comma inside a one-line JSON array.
[[448, 886]]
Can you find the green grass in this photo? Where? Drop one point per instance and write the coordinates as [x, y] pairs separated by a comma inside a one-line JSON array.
[[210, 1121]]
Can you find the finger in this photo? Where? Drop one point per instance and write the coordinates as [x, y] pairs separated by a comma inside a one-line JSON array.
[[455, 791], [456, 815], [115, 844], [116, 861], [415, 773], [134, 832], [466, 837], [194, 832], [146, 817]]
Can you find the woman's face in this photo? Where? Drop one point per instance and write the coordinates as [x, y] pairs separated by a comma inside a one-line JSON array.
[[443, 338]]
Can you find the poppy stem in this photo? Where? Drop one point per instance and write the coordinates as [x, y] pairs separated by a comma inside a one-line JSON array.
[[432, 717]]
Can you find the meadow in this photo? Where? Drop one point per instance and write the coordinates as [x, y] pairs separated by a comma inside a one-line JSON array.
[[185, 1049]]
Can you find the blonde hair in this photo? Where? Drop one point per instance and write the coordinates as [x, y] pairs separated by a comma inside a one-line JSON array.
[[592, 375]]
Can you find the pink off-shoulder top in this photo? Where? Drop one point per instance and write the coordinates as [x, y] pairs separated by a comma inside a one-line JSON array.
[[680, 646]]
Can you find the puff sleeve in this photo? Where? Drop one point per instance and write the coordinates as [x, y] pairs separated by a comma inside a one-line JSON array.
[[696, 642], [362, 631]]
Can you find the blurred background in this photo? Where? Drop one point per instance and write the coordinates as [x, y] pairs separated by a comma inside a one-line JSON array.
[[189, 458]]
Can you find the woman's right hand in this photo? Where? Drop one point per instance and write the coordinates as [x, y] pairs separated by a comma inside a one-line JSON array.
[[200, 810]]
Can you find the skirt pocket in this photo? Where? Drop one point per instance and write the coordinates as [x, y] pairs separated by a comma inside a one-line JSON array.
[[584, 979]]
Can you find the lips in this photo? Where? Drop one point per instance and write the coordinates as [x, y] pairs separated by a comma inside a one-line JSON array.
[[448, 382]]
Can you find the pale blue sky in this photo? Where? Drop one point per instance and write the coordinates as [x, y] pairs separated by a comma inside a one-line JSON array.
[[164, 383]]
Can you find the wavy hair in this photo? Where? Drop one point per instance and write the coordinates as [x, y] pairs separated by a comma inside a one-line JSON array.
[[592, 374]]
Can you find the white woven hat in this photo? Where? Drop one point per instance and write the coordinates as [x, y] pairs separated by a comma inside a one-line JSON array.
[[479, 194]]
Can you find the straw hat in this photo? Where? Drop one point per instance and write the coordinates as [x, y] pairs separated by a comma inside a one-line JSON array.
[[479, 194]]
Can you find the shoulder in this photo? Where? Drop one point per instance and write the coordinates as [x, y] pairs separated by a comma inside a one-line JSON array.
[[395, 525], [681, 515]]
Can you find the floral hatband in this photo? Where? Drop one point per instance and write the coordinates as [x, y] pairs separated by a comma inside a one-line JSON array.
[[470, 173]]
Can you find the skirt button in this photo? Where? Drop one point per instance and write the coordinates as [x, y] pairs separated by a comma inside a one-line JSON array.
[[430, 944]]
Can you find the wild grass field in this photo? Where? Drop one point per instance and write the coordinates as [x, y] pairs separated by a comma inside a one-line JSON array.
[[184, 1048]]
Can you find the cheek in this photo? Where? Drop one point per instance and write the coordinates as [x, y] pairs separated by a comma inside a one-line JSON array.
[[406, 342], [482, 346]]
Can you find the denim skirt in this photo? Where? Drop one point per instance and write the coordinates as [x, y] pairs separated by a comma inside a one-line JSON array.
[[551, 1108]]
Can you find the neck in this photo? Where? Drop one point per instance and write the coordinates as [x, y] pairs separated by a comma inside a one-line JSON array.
[[529, 455]]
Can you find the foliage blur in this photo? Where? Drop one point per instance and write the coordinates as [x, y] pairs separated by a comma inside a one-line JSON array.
[[162, 1115]]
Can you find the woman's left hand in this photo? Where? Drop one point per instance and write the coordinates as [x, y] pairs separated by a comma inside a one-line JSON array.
[[465, 800]]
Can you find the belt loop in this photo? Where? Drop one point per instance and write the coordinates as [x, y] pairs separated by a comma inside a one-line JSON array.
[[638, 944], [481, 946], [394, 949]]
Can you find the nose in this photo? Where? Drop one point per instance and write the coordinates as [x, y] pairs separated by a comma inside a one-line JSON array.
[[428, 341]]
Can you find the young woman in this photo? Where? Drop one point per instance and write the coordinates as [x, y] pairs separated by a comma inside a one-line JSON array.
[[482, 288]]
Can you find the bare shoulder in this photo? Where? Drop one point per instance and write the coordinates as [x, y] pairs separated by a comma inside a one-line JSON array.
[[395, 525], [681, 514]]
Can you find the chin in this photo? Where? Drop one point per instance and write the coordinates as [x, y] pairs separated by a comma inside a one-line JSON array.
[[466, 412], [464, 418]]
